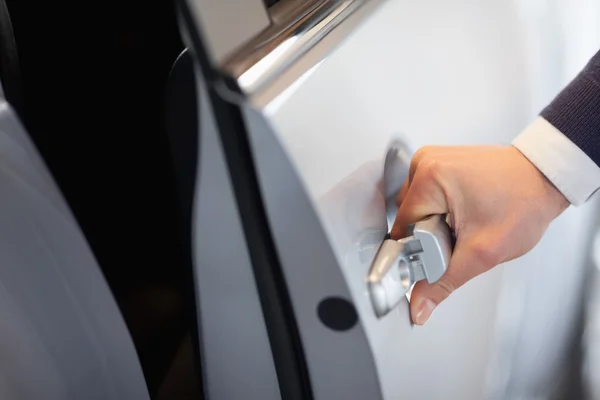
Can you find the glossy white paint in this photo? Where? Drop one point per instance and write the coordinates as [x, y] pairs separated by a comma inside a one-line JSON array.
[[441, 72]]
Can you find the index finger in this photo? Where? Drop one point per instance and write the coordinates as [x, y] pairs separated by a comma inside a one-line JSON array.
[[424, 197]]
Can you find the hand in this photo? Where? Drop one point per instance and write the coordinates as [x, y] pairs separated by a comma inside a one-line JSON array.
[[499, 205]]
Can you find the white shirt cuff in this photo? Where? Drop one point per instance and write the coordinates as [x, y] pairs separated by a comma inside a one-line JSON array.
[[573, 173]]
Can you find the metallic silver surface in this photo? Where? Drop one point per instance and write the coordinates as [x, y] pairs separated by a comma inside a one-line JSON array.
[[276, 48], [395, 167], [284, 11], [395, 172], [226, 25], [435, 237], [425, 254], [390, 277]]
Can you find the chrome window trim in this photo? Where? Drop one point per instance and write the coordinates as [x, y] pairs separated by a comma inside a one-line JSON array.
[[277, 47], [226, 25], [296, 28]]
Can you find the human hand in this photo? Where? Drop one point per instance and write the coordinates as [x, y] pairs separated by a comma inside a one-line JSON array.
[[499, 205]]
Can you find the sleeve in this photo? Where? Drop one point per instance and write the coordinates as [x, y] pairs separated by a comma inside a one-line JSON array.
[[568, 167], [564, 142]]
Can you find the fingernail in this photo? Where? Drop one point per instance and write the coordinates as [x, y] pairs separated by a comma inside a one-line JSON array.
[[424, 310]]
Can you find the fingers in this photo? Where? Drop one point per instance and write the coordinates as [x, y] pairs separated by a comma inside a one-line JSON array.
[[495, 200], [402, 193], [423, 154], [468, 261], [424, 197], [425, 298], [415, 161]]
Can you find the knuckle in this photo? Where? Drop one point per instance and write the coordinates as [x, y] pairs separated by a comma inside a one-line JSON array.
[[421, 154], [428, 148], [446, 285], [414, 162], [486, 255], [421, 151], [432, 168]]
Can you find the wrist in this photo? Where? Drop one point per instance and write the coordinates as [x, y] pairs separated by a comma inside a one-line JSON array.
[[549, 195], [555, 198]]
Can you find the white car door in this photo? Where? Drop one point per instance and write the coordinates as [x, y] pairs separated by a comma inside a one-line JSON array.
[[295, 124]]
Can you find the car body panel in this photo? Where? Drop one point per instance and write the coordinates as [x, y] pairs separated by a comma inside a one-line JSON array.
[[437, 78], [437, 73]]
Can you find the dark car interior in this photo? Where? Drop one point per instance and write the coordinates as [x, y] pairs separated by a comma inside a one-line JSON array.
[[90, 82], [106, 91]]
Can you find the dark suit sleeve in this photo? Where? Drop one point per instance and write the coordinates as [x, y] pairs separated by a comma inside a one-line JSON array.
[[576, 110], [564, 141]]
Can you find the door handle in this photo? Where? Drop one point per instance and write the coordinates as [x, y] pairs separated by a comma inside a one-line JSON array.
[[424, 253], [395, 172]]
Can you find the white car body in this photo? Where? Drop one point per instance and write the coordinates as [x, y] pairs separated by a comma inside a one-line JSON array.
[[439, 73]]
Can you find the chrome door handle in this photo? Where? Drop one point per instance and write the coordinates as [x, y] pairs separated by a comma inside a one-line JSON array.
[[395, 172], [424, 253]]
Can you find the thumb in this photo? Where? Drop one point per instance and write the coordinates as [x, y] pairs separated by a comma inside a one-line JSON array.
[[466, 263]]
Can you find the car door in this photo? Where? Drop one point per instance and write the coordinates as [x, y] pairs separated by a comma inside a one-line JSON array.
[[297, 114]]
